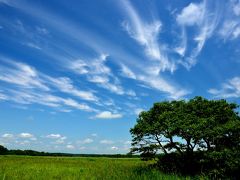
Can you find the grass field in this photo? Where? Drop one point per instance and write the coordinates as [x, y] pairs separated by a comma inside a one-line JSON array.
[[24, 167]]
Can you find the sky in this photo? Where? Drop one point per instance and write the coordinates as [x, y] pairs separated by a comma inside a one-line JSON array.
[[74, 75]]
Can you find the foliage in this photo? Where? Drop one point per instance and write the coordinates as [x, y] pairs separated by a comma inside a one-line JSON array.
[[196, 136], [3, 150]]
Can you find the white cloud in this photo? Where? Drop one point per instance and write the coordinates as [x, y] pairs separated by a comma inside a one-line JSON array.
[[26, 135], [236, 32], [149, 73], [21, 74], [42, 98], [230, 28], [182, 46], [164, 86], [230, 89], [3, 96], [155, 81], [7, 135], [33, 87], [206, 20], [115, 88], [191, 15], [29, 97], [96, 66], [97, 72], [69, 146], [32, 45], [105, 141], [114, 148], [131, 93], [59, 138], [65, 84], [146, 34], [98, 79], [159, 83], [54, 136], [127, 72], [72, 103], [108, 115]]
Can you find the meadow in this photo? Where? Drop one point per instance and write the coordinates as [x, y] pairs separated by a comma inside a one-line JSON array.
[[28, 167]]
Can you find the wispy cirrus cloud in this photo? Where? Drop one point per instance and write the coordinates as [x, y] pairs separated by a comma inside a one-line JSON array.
[[65, 84], [127, 72], [230, 28], [96, 71], [205, 20], [20, 74], [46, 99], [3, 96], [171, 90], [34, 87], [32, 45], [229, 89], [146, 34]]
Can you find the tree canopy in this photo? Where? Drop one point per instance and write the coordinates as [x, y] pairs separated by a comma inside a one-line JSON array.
[[185, 128]]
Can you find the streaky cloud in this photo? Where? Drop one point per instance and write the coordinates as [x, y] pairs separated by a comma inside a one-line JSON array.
[[206, 20], [96, 71], [229, 89], [146, 34]]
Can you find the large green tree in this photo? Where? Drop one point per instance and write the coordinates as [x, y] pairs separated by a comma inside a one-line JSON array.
[[186, 127]]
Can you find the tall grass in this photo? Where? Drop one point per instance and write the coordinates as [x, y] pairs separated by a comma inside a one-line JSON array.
[[24, 167]]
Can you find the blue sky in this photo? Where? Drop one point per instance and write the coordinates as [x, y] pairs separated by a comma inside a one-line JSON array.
[[75, 74]]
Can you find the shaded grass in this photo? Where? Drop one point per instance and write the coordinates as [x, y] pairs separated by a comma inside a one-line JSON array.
[[26, 167]]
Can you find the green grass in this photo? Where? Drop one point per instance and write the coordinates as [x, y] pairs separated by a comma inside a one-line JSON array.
[[24, 167]]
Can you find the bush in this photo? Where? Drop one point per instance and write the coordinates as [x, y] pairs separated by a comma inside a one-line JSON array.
[[3, 150], [215, 165]]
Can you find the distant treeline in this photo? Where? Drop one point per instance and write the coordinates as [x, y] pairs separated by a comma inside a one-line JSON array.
[[5, 151]]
